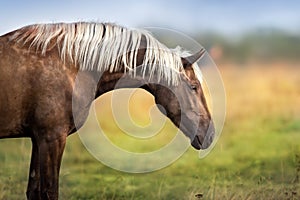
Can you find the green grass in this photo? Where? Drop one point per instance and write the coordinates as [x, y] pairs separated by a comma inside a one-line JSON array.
[[256, 157]]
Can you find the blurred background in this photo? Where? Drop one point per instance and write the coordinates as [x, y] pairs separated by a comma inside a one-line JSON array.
[[239, 31], [256, 46]]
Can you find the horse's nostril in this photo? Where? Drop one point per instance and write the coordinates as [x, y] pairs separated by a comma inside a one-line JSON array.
[[209, 137]]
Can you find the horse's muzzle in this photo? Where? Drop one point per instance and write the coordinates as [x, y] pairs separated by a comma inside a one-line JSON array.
[[203, 141]]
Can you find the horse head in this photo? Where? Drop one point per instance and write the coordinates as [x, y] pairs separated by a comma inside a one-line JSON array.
[[185, 104]]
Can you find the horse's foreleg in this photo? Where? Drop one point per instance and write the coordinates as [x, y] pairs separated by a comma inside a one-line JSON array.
[[33, 188], [50, 159]]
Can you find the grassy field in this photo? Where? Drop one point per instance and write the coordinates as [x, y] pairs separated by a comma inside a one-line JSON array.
[[256, 157]]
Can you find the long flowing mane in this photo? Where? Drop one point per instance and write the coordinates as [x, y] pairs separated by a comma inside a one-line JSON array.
[[104, 47]]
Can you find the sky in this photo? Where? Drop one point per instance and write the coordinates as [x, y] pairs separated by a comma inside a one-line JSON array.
[[225, 17]]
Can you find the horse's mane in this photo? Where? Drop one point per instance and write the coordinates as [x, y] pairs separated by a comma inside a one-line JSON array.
[[103, 47]]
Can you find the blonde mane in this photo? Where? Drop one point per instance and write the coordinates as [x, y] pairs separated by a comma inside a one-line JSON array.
[[104, 47]]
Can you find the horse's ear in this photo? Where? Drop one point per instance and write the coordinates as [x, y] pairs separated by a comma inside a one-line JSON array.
[[188, 61]]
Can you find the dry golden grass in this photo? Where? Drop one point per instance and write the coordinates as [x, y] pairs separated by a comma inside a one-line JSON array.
[[262, 90]]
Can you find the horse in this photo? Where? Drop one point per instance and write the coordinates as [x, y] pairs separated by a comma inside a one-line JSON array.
[[40, 95]]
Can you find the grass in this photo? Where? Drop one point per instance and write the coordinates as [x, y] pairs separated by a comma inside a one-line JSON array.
[[256, 157]]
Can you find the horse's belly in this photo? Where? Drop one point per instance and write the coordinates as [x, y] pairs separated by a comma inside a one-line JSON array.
[[10, 116]]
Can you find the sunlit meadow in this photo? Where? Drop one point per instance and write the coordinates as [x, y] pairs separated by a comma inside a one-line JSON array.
[[256, 157]]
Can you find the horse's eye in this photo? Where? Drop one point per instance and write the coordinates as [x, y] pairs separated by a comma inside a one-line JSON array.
[[194, 87]]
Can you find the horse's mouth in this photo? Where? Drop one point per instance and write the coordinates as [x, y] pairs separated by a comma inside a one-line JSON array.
[[200, 139], [200, 142], [196, 143]]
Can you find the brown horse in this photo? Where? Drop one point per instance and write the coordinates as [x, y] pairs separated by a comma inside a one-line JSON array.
[[39, 69]]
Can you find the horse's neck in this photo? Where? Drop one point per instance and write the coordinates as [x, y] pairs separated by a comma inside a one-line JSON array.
[[111, 81]]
